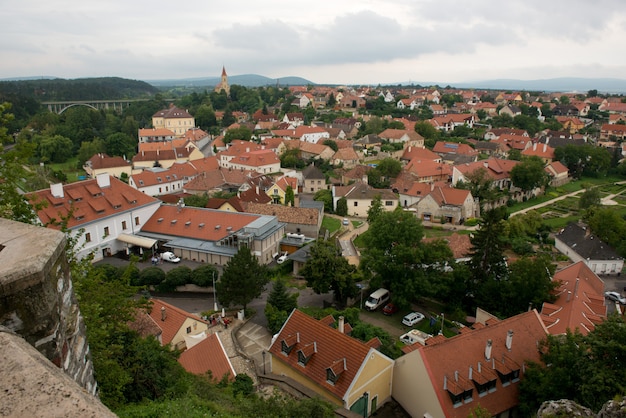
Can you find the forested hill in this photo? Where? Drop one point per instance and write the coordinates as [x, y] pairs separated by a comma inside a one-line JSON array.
[[58, 89]]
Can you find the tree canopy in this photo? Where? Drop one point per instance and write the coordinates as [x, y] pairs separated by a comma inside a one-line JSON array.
[[243, 279]]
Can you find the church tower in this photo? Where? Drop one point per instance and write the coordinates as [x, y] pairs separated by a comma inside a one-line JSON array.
[[223, 84]]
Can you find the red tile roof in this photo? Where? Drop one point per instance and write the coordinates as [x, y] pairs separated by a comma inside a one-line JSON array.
[[447, 369], [196, 223], [208, 355], [326, 345], [174, 319], [89, 201], [100, 161], [580, 301], [419, 153], [454, 148], [288, 214]]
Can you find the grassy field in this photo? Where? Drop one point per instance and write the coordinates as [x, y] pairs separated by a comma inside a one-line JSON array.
[[69, 168], [331, 224]]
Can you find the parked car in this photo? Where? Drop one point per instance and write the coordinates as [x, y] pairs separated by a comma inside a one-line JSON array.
[[170, 257], [615, 297], [413, 318], [390, 309], [345, 221]]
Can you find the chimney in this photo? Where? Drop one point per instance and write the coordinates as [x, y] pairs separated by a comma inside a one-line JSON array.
[[488, 350], [576, 287], [163, 313], [103, 180], [509, 339], [340, 325], [569, 295], [57, 190]]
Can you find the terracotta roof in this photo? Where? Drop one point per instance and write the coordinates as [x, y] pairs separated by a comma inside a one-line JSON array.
[[217, 178], [449, 371], [460, 245], [174, 319], [449, 195], [256, 158], [326, 345], [287, 214], [397, 134], [580, 302], [428, 168], [151, 177], [346, 154], [195, 134], [285, 182], [423, 154], [453, 148], [541, 150], [89, 201], [216, 203], [196, 223], [100, 161], [362, 191], [156, 132], [172, 113], [208, 355], [496, 168], [251, 195]]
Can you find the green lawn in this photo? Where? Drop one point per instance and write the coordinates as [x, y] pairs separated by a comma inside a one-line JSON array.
[[332, 224], [357, 224], [69, 168]]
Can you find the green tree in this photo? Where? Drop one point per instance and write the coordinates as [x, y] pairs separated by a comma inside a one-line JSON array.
[[487, 262], [204, 275], [590, 197], [342, 206], [243, 279], [331, 144], [121, 145], [585, 369], [375, 210], [327, 270], [608, 225], [89, 149], [279, 305], [325, 196], [530, 283], [178, 276], [151, 276], [529, 174], [54, 149], [290, 198], [241, 133], [480, 184]]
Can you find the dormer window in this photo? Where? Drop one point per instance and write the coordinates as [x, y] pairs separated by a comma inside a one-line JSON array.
[[288, 343], [306, 353], [331, 377]]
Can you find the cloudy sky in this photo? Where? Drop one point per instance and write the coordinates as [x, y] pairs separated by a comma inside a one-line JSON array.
[[324, 41]]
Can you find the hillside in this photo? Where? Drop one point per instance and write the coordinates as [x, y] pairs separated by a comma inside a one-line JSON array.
[[246, 80], [59, 89]]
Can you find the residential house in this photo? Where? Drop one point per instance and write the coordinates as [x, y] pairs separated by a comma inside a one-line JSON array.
[[166, 157], [497, 169], [159, 181], [294, 119], [359, 197], [156, 135], [578, 243], [232, 204], [506, 98], [543, 151], [444, 204], [497, 132], [262, 161], [428, 171], [314, 180], [311, 151], [297, 220], [175, 324], [402, 135], [558, 173], [482, 365], [579, 304], [572, 124], [356, 174], [198, 137], [460, 245], [454, 152], [612, 131], [278, 190], [490, 108], [510, 110], [437, 109], [346, 157], [174, 119], [419, 153], [447, 123], [208, 356], [342, 370], [350, 101], [213, 236], [102, 163], [103, 214]]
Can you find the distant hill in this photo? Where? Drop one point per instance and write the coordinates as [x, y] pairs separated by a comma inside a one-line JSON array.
[[246, 80], [104, 88], [563, 84]]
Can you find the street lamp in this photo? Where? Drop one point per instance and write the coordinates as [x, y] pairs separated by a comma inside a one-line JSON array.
[[263, 361], [214, 293]]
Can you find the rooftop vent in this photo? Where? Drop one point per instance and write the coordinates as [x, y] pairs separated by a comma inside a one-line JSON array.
[[160, 220], [174, 221], [201, 225], [218, 226], [187, 223]]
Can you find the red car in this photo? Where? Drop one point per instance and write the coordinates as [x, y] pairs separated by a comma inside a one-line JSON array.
[[390, 309]]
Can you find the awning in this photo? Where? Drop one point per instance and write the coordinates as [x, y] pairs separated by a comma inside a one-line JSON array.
[[137, 240]]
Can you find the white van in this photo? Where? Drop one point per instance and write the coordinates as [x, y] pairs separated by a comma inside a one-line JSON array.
[[377, 299]]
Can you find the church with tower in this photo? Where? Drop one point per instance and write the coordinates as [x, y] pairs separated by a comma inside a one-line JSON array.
[[223, 84]]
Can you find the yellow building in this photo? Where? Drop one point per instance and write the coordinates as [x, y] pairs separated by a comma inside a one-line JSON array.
[[175, 119]]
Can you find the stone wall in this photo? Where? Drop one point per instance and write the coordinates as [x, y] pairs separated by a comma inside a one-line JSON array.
[[38, 301]]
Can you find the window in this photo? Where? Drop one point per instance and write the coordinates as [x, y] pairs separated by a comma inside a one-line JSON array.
[[302, 359], [123, 224], [331, 377], [136, 220], [188, 330], [106, 231], [284, 348], [388, 203], [87, 237], [356, 203]]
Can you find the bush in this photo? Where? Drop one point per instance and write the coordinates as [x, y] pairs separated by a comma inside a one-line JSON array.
[[243, 384], [151, 276], [203, 275], [521, 246], [178, 276], [471, 222]]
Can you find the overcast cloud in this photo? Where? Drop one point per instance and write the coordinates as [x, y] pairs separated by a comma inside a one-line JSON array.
[[339, 41]]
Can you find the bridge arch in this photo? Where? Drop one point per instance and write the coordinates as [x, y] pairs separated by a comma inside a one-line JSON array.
[[77, 104]]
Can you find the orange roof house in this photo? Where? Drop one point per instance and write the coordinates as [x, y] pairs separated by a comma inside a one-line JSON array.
[[175, 324], [580, 303], [543, 151], [428, 171], [341, 369], [102, 163], [447, 205], [105, 208], [481, 366]]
